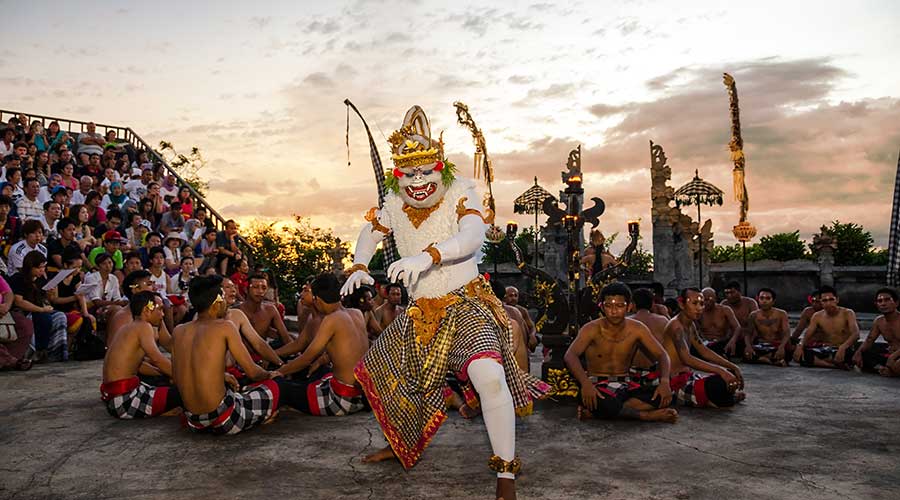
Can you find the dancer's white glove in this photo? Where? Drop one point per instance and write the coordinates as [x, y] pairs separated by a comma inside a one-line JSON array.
[[408, 269], [357, 279]]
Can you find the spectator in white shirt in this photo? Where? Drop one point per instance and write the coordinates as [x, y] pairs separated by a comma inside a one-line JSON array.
[[137, 188], [90, 142], [101, 288], [33, 233], [84, 187], [52, 214], [28, 206], [46, 191]]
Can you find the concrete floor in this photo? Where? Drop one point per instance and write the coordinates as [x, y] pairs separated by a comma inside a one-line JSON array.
[[802, 434]]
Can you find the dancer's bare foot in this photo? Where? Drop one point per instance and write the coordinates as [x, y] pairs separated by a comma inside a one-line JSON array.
[[468, 412], [506, 489], [739, 396], [584, 413], [669, 415], [381, 455], [886, 372]]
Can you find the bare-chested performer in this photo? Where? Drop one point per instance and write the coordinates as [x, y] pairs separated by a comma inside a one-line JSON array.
[[343, 335], [719, 328], [874, 357], [385, 313], [313, 321], [719, 389], [742, 307], [511, 297], [609, 345], [644, 369], [769, 337], [198, 359], [257, 346], [815, 305], [363, 300], [264, 316], [137, 281], [125, 395], [832, 334]]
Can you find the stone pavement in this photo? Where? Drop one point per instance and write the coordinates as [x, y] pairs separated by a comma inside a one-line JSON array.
[[802, 434]]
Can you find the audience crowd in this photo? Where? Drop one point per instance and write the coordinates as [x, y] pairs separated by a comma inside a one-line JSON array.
[[79, 212]]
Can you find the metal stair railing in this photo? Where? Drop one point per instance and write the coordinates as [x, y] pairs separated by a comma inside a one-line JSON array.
[[127, 135]]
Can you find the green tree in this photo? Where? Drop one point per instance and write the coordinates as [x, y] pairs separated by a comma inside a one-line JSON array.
[[188, 165], [783, 246], [641, 262], [734, 253], [293, 252], [854, 244]]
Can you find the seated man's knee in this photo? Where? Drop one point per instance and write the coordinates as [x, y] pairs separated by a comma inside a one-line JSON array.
[[718, 392], [608, 407]]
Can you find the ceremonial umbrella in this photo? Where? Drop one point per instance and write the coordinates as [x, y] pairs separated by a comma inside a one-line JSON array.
[[893, 272], [530, 202], [698, 192]]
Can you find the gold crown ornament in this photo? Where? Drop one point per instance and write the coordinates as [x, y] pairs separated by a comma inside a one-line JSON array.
[[412, 145]]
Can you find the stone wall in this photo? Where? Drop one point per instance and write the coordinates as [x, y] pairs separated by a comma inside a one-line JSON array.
[[793, 280]]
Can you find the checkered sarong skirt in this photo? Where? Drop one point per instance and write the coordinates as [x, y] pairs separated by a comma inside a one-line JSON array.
[[142, 401], [404, 378], [238, 411], [329, 397]]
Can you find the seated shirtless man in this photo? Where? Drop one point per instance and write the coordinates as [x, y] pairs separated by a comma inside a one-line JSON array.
[[125, 395], [832, 334], [609, 345], [343, 335], [742, 307], [385, 313], [137, 281], [644, 369], [719, 389], [257, 346], [719, 327], [263, 315], [769, 337], [511, 298], [198, 359], [874, 357], [815, 305]]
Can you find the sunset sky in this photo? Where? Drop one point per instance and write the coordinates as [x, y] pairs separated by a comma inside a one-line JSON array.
[[258, 86]]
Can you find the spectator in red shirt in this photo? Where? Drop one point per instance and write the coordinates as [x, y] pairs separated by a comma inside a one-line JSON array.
[[241, 278]]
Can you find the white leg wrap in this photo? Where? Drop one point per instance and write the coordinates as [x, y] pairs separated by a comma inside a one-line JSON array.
[[489, 380]]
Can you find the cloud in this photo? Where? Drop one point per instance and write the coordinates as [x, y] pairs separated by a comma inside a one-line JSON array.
[[260, 22], [319, 79], [322, 26], [520, 79], [604, 110]]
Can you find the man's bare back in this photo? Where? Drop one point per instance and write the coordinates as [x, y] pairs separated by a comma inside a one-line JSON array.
[[520, 341], [198, 359], [132, 344]]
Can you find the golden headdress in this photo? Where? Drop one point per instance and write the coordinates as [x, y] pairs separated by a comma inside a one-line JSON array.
[[412, 145]]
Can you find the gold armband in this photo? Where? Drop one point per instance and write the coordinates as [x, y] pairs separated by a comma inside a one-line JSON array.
[[434, 253], [373, 219], [499, 465], [462, 211]]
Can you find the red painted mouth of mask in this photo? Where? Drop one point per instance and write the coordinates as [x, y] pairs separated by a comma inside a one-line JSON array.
[[420, 193]]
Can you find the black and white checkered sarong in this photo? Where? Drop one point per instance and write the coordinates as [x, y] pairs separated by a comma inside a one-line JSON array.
[[238, 411], [130, 398]]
